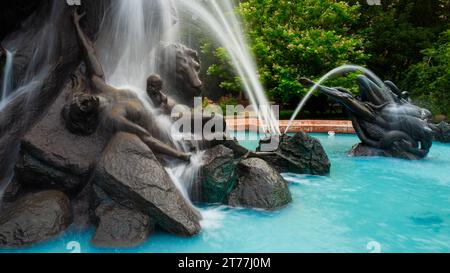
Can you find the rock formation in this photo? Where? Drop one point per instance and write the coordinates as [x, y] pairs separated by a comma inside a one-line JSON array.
[[442, 132], [219, 174], [59, 170], [34, 218], [259, 186], [121, 227], [298, 154], [52, 155], [131, 174]]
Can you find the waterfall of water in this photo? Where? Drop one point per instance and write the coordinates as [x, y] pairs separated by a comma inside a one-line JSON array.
[[7, 76], [129, 36], [185, 176], [41, 39], [221, 19], [341, 70]]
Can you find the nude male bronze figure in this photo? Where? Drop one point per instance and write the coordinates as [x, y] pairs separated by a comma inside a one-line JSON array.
[[157, 96]]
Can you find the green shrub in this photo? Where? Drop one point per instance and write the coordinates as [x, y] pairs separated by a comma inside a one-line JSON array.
[[292, 39], [429, 80]]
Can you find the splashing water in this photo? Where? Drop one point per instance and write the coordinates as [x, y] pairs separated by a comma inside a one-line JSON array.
[[212, 218], [185, 176], [129, 36], [26, 89], [224, 24], [341, 70]]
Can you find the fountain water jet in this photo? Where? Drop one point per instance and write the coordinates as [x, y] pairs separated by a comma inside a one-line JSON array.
[[341, 70], [384, 119], [229, 34], [135, 29], [129, 35]]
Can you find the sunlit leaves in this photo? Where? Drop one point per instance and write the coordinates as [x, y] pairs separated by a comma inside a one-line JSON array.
[[300, 38]]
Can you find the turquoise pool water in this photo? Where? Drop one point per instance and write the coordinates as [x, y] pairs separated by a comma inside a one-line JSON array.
[[365, 205]]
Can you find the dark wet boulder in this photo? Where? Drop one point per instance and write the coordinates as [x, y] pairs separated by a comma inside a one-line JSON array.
[[84, 208], [54, 158], [129, 172], [121, 227], [40, 89], [259, 186], [300, 154], [85, 205], [12, 191], [38, 175], [99, 196], [34, 218], [218, 174], [362, 150], [443, 134]]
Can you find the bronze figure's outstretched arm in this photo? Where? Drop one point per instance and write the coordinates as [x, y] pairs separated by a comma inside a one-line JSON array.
[[93, 66], [120, 123], [117, 118], [91, 59], [162, 148]]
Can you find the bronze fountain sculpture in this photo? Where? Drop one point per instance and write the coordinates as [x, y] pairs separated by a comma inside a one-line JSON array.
[[384, 120], [92, 150], [120, 110]]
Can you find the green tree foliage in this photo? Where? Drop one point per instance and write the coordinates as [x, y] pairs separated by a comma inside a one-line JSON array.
[[400, 41], [397, 31], [429, 80], [295, 38], [403, 40], [222, 69]]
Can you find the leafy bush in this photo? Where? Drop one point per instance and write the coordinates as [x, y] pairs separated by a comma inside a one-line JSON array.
[[222, 69], [429, 80], [227, 100], [306, 38], [398, 30], [292, 39]]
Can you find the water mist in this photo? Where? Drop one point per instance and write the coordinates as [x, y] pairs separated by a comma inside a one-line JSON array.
[[22, 98], [7, 76]]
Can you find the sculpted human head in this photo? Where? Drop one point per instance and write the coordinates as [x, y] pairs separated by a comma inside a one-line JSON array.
[[181, 66], [81, 114], [154, 84]]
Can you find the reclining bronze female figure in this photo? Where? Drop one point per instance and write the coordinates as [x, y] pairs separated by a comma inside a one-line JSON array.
[[117, 109]]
